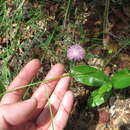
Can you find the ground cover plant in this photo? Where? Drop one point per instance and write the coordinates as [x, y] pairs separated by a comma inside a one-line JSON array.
[[48, 30], [94, 77]]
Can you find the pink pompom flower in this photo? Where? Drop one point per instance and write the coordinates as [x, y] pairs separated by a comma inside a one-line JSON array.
[[76, 53]]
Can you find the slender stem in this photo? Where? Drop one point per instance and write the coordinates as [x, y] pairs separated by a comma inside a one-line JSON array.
[[36, 83], [105, 24], [108, 61], [50, 109], [66, 13]]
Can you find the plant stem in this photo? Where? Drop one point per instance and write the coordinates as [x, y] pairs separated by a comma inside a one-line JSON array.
[[50, 109], [66, 13], [106, 24], [108, 61], [36, 83]]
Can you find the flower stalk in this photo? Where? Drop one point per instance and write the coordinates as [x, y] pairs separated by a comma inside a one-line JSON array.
[[36, 83]]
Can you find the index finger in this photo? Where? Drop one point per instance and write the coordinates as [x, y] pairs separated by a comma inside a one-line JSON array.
[[23, 78]]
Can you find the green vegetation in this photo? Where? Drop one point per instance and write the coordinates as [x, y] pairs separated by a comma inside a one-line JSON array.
[[93, 77], [45, 29]]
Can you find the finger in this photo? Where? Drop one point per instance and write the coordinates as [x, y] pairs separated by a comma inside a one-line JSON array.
[[43, 120], [18, 113], [45, 90], [23, 78], [62, 115]]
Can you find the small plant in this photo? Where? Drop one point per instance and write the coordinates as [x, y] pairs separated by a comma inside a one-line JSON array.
[[90, 76], [95, 78]]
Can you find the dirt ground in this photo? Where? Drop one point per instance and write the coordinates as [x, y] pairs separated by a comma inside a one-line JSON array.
[[84, 26]]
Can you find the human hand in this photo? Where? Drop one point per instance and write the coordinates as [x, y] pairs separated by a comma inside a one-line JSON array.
[[34, 113]]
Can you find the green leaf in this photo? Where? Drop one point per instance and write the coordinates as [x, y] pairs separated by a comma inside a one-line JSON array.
[[125, 42], [57, 0], [49, 40], [100, 96], [121, 79], [88, 75], [2, 87], [91, 56]]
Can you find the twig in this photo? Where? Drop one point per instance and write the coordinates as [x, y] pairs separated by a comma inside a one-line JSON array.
[[106, 25]]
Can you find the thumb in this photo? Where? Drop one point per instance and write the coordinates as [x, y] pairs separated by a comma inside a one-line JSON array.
[[15, 114]]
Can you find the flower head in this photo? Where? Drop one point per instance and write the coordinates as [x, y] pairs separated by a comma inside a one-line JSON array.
[[75, 52]]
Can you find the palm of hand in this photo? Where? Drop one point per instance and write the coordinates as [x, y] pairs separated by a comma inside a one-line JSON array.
[[34, 114]]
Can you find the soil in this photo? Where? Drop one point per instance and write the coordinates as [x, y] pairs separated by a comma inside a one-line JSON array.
[[115, 114]]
